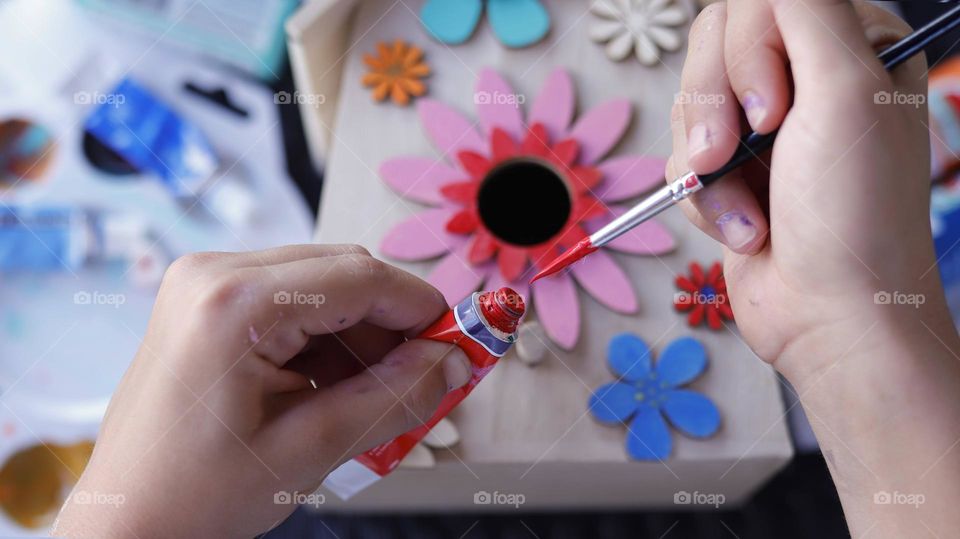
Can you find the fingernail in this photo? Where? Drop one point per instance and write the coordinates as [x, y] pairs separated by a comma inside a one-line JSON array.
[[456, 369], [737, 230], [755, 108], [699, 139]]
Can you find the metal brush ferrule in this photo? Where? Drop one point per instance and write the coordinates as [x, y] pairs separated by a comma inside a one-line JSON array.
[[660, 200]]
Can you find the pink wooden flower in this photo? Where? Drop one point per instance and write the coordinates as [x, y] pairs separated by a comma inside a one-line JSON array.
[[516, 192]]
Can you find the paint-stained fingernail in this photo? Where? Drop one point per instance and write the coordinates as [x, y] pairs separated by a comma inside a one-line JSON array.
[[699, 139], [737, 229], [456, 369], [755, 107]]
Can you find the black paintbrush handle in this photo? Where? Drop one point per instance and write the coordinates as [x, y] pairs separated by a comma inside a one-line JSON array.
[[755, 144]]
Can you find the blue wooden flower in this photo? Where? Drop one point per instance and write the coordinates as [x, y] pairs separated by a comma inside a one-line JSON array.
[[645, 393], [517, 23]]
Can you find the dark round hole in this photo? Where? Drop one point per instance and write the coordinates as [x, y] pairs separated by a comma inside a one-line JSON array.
[[524, 202]]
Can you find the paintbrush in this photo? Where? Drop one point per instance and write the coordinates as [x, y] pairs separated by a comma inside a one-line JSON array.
[[751, 146]]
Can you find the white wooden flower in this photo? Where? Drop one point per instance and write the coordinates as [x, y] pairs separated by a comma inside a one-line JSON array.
[[643, 26]]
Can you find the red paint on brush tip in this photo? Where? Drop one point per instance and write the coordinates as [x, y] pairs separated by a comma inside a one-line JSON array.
[[502, 309], [580, 250]]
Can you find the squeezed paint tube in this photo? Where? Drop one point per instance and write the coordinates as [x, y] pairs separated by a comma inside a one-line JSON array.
[[484, 326]]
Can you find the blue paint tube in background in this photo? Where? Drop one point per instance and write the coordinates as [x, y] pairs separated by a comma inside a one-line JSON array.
[[65, 239], [154, 138]]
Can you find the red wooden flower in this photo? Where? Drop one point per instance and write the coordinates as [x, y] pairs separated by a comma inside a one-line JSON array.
[[704, 296], [562, 156]]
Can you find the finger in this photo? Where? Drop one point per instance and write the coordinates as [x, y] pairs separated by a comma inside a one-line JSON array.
[[292, 253], [191, 267], [825, 41], [882, 29], [319, 296], [677, 163], [398, 394], [757, 64], [731, 214], [728, 211], [327, 359], [709, 109]]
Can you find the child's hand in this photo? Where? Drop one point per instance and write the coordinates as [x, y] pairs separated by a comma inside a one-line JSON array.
[[829, 260], [216, 417], [848, 182]]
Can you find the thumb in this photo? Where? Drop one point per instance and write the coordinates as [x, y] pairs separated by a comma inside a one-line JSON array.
[[824, 38], [391, 397]]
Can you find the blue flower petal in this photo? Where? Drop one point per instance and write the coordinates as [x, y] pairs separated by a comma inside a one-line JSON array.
[[682, 361], [629, 357], [613, 403], [648, 437], [451, 21], [518, 23], [691, 412]]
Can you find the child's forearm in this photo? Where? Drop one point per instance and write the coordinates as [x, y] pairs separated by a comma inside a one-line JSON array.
[[885, 407]]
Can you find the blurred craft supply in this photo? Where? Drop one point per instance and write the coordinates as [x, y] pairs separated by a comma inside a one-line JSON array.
[[43, 47], [57, 239], [34, 482], [944, 96], [247, 34], [26, 149], [153, 138]]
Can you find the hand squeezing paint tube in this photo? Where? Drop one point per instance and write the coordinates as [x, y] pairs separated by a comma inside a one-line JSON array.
[[484, 326]]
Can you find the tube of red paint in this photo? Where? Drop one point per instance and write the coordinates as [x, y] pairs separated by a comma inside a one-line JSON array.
[[484, 326]]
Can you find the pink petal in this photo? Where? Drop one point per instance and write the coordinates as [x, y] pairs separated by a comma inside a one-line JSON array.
[[520, 286], [421, 236], [600, 275], [650, 238], [419, 178], [558, 309], [448, 129], [498, 105], [599, 130], [553, 106], [456, 278], [628, 176]]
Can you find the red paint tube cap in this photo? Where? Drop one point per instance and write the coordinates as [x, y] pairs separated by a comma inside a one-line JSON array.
[[502, 309]]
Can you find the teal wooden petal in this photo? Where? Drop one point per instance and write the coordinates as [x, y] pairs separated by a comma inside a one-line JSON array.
[[518, 23], [451, 21]]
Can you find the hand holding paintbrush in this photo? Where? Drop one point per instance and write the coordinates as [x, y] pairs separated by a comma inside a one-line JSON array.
[[835, 218]]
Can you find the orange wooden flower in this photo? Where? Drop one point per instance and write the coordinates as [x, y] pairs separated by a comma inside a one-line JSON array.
[[396, 72]]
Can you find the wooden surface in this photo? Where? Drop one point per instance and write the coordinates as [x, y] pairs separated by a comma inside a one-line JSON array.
[[527, 430]]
